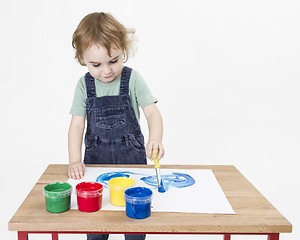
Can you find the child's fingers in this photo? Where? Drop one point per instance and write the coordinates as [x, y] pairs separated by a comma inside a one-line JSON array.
[[161, 151], [155, 152], [149, 151], [81, 171], [71, 173], [74, 173], [149, 155]]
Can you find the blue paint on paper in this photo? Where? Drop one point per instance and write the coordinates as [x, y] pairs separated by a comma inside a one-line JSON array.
[[161, 188], [177, 180], [105, 177]]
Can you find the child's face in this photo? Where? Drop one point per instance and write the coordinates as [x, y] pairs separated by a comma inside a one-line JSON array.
[[101, 66]]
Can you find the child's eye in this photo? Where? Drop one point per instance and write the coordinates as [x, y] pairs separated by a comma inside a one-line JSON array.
[[96, 65], [114, 61]]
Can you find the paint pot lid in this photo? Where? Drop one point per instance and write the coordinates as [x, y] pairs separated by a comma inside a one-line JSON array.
[[138, 195], [89, 189], [57, 189]]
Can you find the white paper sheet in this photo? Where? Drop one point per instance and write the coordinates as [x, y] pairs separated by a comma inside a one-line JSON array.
[[204, 196]]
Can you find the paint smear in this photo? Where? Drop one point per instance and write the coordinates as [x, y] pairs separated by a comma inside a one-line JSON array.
[[161, 189], [177, 180]]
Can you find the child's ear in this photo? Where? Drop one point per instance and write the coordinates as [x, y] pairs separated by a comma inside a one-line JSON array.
[[124, 55], [81, 61]]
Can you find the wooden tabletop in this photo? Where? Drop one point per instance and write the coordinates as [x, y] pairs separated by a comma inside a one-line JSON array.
[[254, 214]]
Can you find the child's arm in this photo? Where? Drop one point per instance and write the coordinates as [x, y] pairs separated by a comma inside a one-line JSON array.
[[155, 126], [76, 166]]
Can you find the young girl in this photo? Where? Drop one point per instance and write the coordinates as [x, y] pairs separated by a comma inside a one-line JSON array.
[[108, 98]]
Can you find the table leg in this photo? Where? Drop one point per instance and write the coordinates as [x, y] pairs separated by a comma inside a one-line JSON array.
[[22, 235], [227, 236], [273, 236], [54, 236]]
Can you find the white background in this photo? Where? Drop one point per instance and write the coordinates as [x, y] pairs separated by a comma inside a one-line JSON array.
[[226, 74]]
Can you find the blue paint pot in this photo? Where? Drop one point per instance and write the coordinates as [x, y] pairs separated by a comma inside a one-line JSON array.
[[138, 202]]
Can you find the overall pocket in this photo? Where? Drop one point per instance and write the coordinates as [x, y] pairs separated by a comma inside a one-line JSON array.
[[90, 143], [109, 118], [137, 143]]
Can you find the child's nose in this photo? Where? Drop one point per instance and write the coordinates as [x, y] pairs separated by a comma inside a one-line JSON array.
[[107, 69]]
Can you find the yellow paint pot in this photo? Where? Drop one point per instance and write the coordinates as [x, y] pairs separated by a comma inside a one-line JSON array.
[[117, 187]]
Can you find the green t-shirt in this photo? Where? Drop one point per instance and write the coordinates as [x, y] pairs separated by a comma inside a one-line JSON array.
[[139, 93]]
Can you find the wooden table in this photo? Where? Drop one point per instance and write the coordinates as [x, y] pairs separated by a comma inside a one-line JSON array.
[[254, 214]]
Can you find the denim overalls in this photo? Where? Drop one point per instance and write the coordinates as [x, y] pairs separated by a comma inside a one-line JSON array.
[[113, 134]]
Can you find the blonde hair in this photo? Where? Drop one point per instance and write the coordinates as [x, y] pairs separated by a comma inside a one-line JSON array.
[[104, 30]]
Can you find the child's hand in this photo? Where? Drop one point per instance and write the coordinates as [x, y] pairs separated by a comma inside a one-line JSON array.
[[152, 147], [76, 170]]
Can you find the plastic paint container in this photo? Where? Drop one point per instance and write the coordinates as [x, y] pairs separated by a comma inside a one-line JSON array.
[[117, 186], [138, 202], [89, 196], [57, 197]]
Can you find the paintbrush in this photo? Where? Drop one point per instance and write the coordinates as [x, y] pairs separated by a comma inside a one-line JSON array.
[[158, 175]]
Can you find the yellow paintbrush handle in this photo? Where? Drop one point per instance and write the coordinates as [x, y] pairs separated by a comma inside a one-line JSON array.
[[156, 161]]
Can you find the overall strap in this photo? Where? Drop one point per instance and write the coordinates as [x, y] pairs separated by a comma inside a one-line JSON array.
[[125, 77], [90, 85]]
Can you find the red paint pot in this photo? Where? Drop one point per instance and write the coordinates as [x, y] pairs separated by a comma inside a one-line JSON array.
[[89, 196]]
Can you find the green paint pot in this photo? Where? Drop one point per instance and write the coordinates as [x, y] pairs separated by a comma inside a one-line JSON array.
[[57, 197]]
